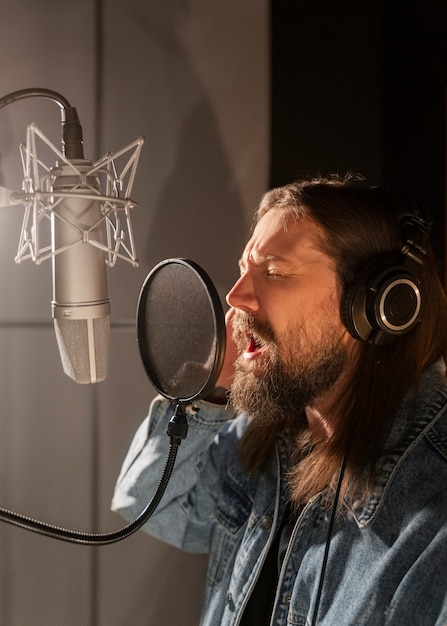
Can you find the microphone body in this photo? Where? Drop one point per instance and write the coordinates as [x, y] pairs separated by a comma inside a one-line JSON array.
[[80, 306]]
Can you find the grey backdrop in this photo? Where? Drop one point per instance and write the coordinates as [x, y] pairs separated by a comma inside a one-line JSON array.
[[191, 76]]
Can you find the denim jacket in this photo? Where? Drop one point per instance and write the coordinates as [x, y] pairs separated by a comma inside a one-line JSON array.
[[387, 561]]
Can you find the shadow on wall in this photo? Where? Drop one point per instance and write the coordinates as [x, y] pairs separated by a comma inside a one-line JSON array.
[[200, 214]]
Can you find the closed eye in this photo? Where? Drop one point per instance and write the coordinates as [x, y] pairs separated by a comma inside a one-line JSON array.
[[274, 273]]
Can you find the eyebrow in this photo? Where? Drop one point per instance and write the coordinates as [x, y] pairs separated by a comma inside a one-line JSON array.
[[261, 259]]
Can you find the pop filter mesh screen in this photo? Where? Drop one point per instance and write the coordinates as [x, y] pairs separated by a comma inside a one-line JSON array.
[[180, 332]]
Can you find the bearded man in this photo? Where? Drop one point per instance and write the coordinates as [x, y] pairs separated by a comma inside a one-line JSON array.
[[315, 474]]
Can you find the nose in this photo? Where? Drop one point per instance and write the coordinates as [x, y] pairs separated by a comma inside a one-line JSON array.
[[243, 294]]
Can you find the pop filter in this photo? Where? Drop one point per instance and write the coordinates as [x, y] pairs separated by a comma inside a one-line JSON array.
[[181, 330]]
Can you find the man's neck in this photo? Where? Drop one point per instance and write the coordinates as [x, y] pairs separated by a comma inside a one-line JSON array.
[[318, 413]]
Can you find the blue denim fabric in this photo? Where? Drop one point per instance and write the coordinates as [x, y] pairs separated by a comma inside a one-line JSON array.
[[387, 562]]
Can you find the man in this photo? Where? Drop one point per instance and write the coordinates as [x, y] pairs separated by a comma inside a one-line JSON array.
[[319, 489]]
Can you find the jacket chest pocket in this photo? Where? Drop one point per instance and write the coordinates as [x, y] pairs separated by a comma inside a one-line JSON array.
[[232, 511]]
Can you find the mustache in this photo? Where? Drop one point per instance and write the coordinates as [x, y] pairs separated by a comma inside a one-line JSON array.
[[245, 324]]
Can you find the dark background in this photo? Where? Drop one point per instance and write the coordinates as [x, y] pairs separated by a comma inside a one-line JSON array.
[[361, 87]]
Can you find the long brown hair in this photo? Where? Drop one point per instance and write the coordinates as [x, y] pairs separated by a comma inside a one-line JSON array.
[[359, 223]]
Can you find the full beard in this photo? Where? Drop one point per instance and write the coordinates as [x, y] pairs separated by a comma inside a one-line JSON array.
[[288, 376]]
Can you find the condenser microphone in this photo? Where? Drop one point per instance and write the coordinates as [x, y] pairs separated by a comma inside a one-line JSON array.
[[89, 207], [80, 306]]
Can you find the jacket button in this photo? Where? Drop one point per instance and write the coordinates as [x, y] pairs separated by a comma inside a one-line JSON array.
[[287, 598], [230, 602], [265, 522]]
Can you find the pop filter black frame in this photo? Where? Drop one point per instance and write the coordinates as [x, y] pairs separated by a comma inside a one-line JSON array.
[[218, 316]]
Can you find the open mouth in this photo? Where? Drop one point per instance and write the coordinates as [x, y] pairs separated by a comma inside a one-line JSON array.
[[254, 348]]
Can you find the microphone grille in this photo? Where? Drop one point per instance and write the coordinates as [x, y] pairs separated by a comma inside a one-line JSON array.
[[84, 347]]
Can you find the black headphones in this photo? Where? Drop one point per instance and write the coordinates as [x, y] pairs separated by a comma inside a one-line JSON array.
[[387, 297]]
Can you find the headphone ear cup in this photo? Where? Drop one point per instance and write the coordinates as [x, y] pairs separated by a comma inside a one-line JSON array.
[[353, 310], [385, 302]]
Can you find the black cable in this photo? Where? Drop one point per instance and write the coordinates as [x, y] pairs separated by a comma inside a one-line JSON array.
[[337, 496], [72, 141], [330, 530], [33, 93]]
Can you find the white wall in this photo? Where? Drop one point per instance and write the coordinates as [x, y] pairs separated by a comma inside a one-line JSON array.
[[191, 76]]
